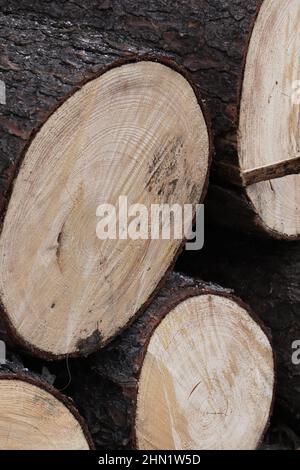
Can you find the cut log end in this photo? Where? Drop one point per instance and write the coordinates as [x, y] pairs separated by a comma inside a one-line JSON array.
[[137, 131], [207, 379], [32, 418], [268, 146]]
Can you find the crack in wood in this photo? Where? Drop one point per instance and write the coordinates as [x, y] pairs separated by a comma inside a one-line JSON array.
[[59, 247], [194, 388]]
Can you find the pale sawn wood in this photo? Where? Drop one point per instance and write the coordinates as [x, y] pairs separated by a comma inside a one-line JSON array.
[[32, 418], [136, 131]]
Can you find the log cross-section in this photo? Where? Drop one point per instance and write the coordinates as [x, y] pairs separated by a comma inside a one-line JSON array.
[[35, 416], [269, 133], [195, 371], [136, 130]]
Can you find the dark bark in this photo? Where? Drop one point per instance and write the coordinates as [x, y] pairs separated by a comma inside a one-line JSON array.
[[266, 276], [105, 385]]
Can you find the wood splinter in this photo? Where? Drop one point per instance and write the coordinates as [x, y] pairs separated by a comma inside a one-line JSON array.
[[272, 171]]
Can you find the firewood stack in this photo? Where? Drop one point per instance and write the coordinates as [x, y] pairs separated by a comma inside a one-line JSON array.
[[157, 103]]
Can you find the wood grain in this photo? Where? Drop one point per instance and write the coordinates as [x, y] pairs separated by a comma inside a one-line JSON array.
[[269, 120], [136, 131], [195, 371], [207, 379], [34, 418]]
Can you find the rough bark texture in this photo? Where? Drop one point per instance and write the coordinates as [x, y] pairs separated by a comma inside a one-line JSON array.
[[266, 276], [105, 386], [49, 48], [15, 370]]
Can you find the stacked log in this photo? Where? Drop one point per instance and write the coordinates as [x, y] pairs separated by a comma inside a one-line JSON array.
[[110, 100], [195, 371], [55, 150], [243, 55], [266, 276], [135, 132], [35, 416]]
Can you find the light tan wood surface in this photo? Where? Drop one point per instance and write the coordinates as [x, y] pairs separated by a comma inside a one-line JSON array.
[[269, 119], [33, 419], [137, 131], [207, 379]]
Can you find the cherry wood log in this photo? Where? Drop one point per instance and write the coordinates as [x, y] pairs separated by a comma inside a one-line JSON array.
[[195, 371], [35, 416], [84, 124], [266, 275]]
